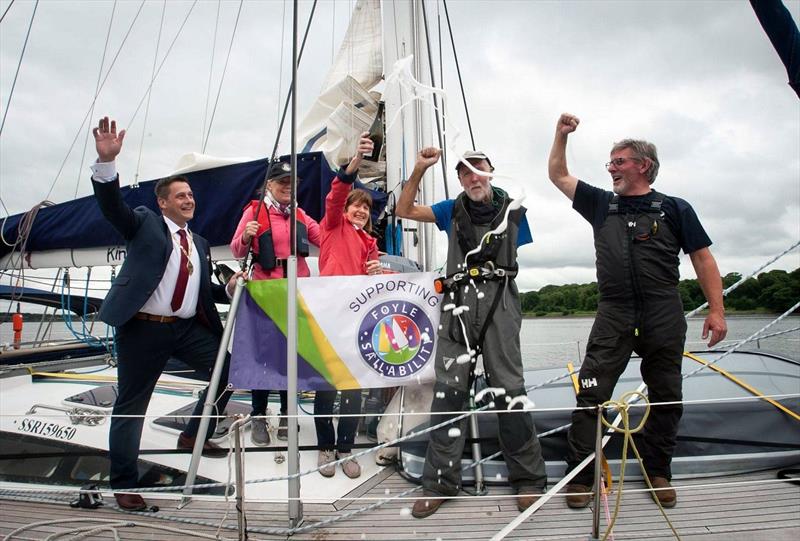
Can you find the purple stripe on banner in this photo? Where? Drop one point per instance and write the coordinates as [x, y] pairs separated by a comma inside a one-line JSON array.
[[258, 358]]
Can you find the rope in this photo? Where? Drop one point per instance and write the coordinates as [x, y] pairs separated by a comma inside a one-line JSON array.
[[750, 338], [622, 406], [149, 93], [19, 65], [91, 105], [210, 71], [222, 78], [745, 278], [94, 101], [107, 525], [435, 100], [163, 60], [743, 385], [458, 71], [6, 11]]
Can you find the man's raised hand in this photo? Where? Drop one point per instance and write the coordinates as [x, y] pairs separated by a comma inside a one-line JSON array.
[[567, 124], [106, 139], [428, 156]]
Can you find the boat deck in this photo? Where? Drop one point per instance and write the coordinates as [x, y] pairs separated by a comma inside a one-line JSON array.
[[756, 506]]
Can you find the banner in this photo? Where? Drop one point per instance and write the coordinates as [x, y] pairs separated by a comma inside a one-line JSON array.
[[353, 332]]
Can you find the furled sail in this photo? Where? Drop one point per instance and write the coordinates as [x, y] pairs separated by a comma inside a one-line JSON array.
[[346, 107]]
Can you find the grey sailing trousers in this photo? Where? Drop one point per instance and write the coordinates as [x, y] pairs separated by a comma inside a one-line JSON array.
[[503, 366]]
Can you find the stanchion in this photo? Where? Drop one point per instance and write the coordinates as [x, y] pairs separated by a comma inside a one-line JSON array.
[[476, 447], [211, 393], [239, 464], [598, 477]]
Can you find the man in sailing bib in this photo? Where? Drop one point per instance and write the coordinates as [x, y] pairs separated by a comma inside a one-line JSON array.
[[638, 234], [482, 300], [162, 305]]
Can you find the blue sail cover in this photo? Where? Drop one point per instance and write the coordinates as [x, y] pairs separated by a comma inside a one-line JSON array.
[[220, 193]]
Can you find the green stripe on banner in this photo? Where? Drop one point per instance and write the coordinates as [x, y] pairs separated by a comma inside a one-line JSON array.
[[312, 345]]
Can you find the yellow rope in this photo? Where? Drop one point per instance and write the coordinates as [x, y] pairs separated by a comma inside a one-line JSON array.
[[622, 406], [743, 385]]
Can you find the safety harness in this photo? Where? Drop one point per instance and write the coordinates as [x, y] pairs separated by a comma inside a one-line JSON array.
[[482, 265]]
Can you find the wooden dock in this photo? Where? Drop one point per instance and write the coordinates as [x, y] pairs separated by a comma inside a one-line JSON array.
[[753, 507]]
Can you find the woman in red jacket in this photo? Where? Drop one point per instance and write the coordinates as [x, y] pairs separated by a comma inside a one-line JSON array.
[[269, 235], [347, 249]]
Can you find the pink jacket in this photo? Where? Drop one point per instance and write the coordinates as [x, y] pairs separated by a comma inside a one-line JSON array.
[[280, 239], [345, 250]]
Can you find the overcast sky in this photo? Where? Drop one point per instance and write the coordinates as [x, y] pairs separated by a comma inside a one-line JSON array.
[[698, 79]]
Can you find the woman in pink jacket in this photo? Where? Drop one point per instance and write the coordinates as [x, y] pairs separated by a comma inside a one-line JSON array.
[[269, 235], [347, 249]]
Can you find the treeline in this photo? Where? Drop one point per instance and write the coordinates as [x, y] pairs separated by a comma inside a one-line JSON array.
[[773, 291]]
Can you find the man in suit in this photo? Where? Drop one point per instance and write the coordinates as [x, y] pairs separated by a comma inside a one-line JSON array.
[[162, 305]]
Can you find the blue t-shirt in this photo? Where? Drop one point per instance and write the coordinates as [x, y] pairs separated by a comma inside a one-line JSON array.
[[443, 211], [592, 203]]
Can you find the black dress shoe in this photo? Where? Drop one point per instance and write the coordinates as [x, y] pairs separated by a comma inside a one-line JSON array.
[[130, 502], [210, 450]]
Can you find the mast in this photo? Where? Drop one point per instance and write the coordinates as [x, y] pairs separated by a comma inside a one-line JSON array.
[[295, 505], [403, 35]]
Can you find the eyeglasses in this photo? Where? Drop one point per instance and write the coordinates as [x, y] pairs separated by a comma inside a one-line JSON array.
[[616, 162]]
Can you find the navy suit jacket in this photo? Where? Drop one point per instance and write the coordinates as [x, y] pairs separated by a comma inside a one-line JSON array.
[[149, 246]]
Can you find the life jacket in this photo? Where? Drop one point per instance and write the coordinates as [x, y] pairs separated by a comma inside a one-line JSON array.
[[637, 256], [265, 255]]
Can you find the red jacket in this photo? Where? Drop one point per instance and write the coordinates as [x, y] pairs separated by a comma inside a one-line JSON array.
[[345, 249]]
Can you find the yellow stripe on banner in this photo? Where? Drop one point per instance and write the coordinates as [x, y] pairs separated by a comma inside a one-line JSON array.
[[573, 376], [742, 384], [340, 375]]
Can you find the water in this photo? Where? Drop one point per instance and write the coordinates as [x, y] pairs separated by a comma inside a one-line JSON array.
[[552, 342]]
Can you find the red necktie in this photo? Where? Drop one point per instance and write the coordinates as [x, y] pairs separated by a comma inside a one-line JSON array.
[[183, 273]]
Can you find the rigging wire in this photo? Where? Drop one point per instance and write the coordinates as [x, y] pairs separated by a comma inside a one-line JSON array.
[[441, 82], [222, 78], [163, 60], [19, 65], [6, 11], [458, 70], [210, 71], [94, 101], [149, 94], [280, 68], [88, 112], [436, 110], [280, 125]]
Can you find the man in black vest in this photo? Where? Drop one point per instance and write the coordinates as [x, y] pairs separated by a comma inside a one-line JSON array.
[[481, 287], [162, 305], [638, 234]]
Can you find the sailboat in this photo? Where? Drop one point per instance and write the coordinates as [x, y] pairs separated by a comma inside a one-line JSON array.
[[72, 415]]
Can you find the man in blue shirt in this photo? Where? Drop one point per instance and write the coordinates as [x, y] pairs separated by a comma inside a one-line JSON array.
[[484, 228], [638, 234]]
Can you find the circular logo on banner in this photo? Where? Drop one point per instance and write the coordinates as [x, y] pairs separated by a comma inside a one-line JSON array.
[[395, 339]]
